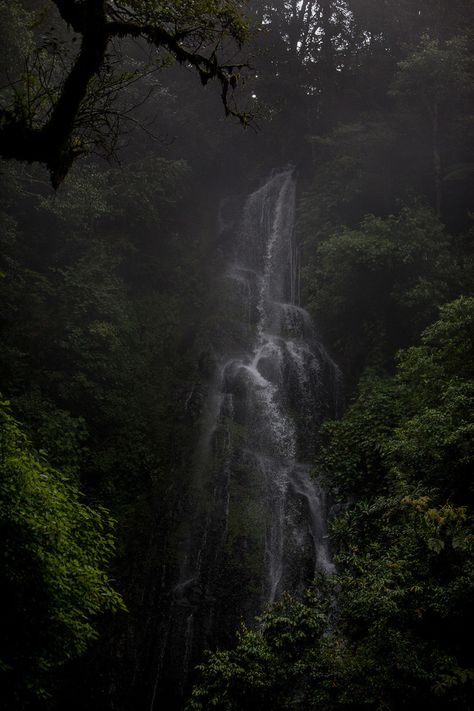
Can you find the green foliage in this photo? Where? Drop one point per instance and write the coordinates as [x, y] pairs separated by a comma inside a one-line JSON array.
[[355, 453], [55, 553], [89, 313], [435, 381], [405, 547], [64, 436], [105, 313], [373, 289], [397, 633], [141, 194], [99, 308], [269, 665], [357, 172], [433, 73]]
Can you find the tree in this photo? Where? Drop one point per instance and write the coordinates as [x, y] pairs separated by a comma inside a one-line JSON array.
[[373, 289], [104, 289], [430, 78], [39, 121], [55, 553]]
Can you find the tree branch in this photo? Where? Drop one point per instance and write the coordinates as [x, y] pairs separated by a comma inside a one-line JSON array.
[[53, 143]]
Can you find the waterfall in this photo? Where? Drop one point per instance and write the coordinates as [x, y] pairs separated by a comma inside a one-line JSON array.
[[281, 387], [258, 526]]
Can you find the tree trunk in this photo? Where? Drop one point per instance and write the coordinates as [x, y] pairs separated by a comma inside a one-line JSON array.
[[436, 158]]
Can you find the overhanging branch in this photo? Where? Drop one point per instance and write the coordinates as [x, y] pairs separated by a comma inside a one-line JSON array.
[[53, 143]]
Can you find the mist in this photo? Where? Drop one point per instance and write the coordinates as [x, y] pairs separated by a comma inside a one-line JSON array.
[[237, 322]]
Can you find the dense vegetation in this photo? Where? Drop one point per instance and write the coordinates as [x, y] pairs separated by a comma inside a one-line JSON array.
[[108, 312], [386, 230], [55, 548], [391, 629], [87, 325]]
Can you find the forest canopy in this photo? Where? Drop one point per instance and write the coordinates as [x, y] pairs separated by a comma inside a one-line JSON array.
[[189, 292]]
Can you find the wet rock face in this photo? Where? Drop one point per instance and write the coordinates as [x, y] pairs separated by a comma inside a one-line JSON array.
[[259, 521], [273, 396]]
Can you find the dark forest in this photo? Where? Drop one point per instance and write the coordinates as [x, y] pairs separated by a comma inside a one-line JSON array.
[[237, 355]]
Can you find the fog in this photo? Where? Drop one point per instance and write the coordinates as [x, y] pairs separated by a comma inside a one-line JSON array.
[[236, 365]]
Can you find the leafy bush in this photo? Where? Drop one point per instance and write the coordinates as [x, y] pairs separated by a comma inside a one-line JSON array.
[[55, 553]]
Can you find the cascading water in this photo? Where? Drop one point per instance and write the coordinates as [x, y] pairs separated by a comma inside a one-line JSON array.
[[259, 522], [281, 389]]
